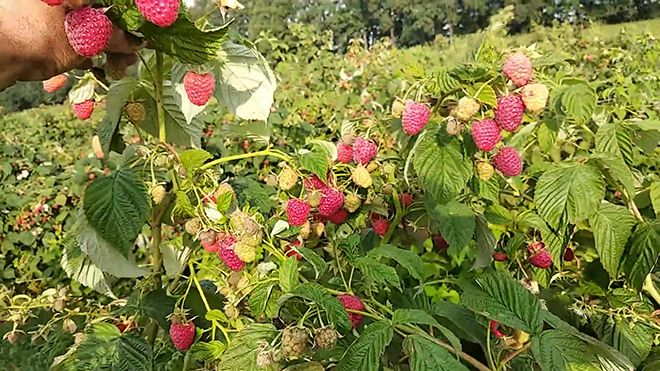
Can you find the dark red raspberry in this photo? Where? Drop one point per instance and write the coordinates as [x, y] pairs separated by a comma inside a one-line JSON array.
[[291, 249], [500, 256], [509, 112], [439, 242], [339, 216], [486, 134], [539, 256], [380, 224], [405, 200], [569, 255], [354, 303], [494, 329]]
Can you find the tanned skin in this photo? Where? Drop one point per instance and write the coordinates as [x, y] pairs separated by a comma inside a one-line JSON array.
[[34, 47]]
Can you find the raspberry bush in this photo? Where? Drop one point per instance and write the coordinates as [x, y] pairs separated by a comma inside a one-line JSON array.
[[497, 213]]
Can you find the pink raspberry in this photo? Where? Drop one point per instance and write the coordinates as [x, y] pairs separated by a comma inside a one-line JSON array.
[[509, 112], [227, 254], [364, 150], [199, 87], [314, 183], [84, 110], [344, 153], [380, 224], [354, 303], [518, 68], [494, 329], [331, 201], [162, 13], [415, 116], [339, 216], [182, 335], [540, 257], [297, 212], [486, 134], [508, 161], [88, 30]]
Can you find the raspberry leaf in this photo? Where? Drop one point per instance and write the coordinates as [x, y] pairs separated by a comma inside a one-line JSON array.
[[643, 254], [316, 162], [289, 275], [316, 294], [364, 354], [242, 351], [611, 226], [427, 355], [378, 273], [117, 207], [456, 222], [79, 267], [556, 350], [406, 258]]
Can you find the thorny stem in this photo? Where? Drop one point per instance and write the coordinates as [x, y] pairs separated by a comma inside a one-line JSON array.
[[265, 152]]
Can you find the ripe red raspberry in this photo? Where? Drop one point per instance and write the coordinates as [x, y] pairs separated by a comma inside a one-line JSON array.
[[499, 256], [297, 212], [569, 255], [84, 110], [494, 329], [415, 116], [182, 335], [486, 134], [508, 161], [364, 150], [440, 243], [380, 224], [540, 257], [199, 87], [226, 252], [518, 68], [344, 153], [331, 201], [162, 13], [339, 216], [314, 183], [405, 200], [290, 249], [354, 303], [88, 30], [55, 83], [53, 2], [509, 112]]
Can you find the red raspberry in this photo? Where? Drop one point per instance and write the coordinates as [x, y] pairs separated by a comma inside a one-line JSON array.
[[518, 68], [405, 199], [331, 201], [380, 224], [84, 110], [540, 257], [53, 2], [55, 83], [486, 134], [209, 241], [297, 212], [354, 303], [314, 183], [88, 30], [162, 13], [440, 243], [364, 150], [227, 254], [509, 112], [569, 255], [290, 249], [339, 217], [199, 87], [494, 329], [415, 116], [499, 256], [344, 153], [508, 161], [182, 335]]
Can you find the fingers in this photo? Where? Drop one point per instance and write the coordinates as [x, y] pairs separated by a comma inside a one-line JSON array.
[[74, 4]]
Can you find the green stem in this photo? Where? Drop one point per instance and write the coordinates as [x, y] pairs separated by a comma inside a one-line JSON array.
[[265, 152], [158, 84], [513, 355], [397, 217], [650, 289]]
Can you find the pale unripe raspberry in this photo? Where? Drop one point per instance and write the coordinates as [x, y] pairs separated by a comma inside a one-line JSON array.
[[245, 251], [361, 177], [535, 97], [485, 170], [193, 226], [486, 134], [305, 230], [287, 179], [508, 161], [352, 202], [88, 31], [294, 342], [96, 146], [518, 68], [415, 116], [326, 337], [158, 194], [467, 107], [397, 108], [454, 127], [509, 112]]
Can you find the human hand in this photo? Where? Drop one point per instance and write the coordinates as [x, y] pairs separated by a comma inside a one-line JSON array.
[[35, 46]]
